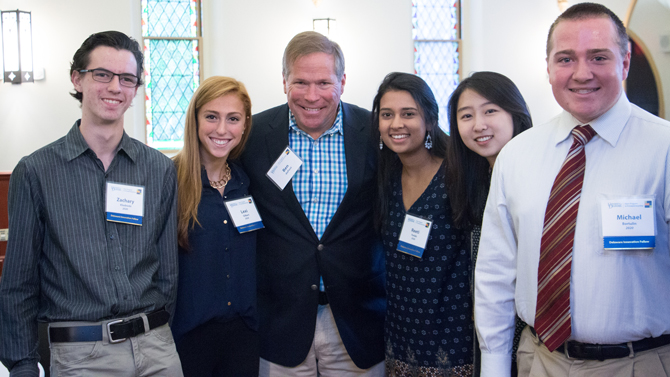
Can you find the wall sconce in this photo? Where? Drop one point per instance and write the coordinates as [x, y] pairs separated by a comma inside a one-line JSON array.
[[17, 46], [325, 26], [563, 5]]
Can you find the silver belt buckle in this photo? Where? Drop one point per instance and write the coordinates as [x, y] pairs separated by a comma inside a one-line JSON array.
[[109, 331], [567, 353]]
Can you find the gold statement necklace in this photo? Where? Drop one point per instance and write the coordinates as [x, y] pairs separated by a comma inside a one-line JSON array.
[[221, 183]]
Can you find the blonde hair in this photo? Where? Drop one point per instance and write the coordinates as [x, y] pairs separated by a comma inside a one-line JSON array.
[[189, 181]]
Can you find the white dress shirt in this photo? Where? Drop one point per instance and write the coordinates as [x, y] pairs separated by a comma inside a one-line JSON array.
[[615, 296]]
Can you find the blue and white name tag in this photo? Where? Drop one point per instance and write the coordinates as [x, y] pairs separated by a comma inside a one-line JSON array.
[[244, 214], [628, 223], [284, 168], [125, 203], [414, 235]]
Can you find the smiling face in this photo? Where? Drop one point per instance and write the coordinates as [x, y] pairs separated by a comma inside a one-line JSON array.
[[586, 67], [313, 92], [401, 124], [105, 103], [484, 126], [221, 124]]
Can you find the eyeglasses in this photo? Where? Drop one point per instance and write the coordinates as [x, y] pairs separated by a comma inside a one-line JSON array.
[[103, 75]]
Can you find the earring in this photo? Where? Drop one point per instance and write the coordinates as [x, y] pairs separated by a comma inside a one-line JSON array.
[[429, 141], [381, 144]]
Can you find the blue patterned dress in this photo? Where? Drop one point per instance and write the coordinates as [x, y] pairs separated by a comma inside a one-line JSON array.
[[429, 326]]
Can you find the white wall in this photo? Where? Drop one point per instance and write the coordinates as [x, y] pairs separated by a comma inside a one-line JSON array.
[[509, 37], [246, 39], [33, 115]]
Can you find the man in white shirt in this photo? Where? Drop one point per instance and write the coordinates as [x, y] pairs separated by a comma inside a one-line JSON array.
[[619, 308]]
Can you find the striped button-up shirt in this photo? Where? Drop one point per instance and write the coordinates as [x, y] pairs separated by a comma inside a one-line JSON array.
[[321, 181], [65, 262]]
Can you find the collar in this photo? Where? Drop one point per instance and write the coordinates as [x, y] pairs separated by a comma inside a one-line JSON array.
[[608, 126], [335, 128], [75, 144]]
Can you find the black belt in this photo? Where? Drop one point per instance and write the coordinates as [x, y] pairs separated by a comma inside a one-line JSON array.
[[117, 330], [586, 351], [323, 298]]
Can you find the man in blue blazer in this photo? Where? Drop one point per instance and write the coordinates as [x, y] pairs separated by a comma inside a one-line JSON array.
[[320, 266]]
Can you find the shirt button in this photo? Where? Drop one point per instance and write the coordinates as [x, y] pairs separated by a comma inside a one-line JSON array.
[[229, 303], [111, 236], [117, 268], [316, 171], [225, 221], [228, 276], [320, 247], [314, 287]]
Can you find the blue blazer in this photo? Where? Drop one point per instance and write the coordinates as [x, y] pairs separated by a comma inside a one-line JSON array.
[[291, 258]]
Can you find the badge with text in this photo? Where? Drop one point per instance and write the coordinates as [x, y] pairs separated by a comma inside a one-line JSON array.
[[414, 235], [125, 203], [244, 214], [284, 168], [628, 223]]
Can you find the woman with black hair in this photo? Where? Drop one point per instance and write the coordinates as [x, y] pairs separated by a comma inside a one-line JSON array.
[[485, 112], [429, 326]]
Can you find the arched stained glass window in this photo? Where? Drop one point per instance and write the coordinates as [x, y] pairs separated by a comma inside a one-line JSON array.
[[436, 31], [172, 40]]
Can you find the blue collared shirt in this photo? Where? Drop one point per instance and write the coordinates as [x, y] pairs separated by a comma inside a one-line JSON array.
[[321, 181]]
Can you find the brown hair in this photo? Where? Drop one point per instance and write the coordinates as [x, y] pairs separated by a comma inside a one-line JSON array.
[[584, 11], [309, 42], [113, 39], [189, 180]]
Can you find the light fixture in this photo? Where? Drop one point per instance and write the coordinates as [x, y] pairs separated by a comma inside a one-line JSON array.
[[17, 46], [325, 26], [563, 5]]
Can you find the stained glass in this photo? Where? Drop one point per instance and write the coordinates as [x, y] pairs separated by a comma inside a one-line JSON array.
[[169, 18], [172, 73], [172, 68], [436, 34], [437, 64], [435, 19]]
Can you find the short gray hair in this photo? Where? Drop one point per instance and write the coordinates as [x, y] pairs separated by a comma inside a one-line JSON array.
[[309, 42]]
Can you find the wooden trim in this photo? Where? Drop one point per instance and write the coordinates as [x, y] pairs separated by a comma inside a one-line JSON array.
[[629, 13], [654, 69]]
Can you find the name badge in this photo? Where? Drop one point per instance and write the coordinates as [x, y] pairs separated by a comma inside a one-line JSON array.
[[414, 235], [628, 223], [244, 214], [125, 203], [284, 168]]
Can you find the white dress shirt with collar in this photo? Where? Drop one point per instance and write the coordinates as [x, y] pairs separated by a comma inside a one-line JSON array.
[[615, 296]]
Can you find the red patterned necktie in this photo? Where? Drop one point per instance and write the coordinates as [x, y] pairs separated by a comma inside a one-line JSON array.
[[552, 318]]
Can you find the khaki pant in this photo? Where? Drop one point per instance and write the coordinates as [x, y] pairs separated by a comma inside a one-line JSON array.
[[149, 354], [535, 360], [327, 357]]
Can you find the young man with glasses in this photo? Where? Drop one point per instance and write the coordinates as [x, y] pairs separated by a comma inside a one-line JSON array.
[[93, 249]]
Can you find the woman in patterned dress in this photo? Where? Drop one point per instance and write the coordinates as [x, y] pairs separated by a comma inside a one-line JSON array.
[[485, 112], [428, 327]]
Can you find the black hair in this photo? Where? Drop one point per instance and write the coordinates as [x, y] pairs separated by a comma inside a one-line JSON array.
[[388, 161], [113, 39], [468, 174]]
